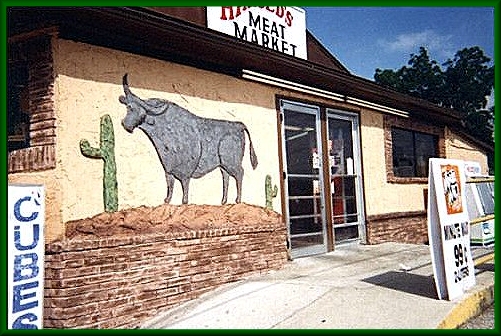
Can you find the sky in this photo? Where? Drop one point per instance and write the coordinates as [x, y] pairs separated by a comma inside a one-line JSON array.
[[366, 38]]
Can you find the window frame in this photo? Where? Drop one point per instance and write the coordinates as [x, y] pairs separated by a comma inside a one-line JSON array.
[[412, 125], [413, 156], [18, 119], [35, 48]]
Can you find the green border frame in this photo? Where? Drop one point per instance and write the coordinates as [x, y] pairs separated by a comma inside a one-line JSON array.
[[341, 3]]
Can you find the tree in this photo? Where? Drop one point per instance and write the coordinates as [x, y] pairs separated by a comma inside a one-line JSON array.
[[469, 80], [464, 86], [481, 124], [423, 78]]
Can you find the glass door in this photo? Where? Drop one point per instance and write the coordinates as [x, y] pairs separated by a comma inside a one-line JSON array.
[[345, 176], [305, 210]]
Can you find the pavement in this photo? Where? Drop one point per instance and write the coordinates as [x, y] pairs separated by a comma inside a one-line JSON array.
[[384, 286]]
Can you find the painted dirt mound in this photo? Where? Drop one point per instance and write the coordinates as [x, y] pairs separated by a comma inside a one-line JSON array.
[[170, 218]]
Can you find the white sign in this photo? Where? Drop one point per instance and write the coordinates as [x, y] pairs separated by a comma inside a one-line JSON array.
[[472, 168], [449, 228], [26, 250], [279, 28]]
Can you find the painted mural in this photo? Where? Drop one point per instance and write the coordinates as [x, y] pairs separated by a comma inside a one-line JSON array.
[[270, 192], [189, 146], [105, 152]]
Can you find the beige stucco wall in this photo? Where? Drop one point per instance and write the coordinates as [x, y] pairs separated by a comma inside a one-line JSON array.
[[457, 147], [382, 197], [87, 86]]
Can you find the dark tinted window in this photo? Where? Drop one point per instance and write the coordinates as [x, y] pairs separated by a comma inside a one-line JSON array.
[[18, 119], [411, 151]]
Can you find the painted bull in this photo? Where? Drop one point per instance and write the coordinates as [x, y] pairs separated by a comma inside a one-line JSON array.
[[189, 146]]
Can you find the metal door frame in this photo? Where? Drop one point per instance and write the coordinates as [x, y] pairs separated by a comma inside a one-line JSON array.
[[313, 110], [357, 164]]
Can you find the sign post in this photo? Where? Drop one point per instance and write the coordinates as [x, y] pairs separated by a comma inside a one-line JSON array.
[[26, 250], [449, 228]]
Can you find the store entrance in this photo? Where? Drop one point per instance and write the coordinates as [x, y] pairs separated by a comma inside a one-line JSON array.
[[345, 176], [322, 178]]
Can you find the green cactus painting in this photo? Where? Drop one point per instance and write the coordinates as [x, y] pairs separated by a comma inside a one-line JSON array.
[[270, 191], [106, 152]]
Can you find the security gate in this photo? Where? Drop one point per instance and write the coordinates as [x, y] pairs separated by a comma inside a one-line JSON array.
[[321, 177]]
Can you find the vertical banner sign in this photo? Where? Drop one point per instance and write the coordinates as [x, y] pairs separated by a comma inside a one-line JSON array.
[[449, 228], [275, 27], [26, 250]]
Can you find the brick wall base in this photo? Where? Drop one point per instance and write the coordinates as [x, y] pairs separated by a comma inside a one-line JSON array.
[[122, 281], [401, 227]]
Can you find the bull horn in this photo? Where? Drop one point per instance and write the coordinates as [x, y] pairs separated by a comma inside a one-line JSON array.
[[126, 85], [152, 107], [128, 92]]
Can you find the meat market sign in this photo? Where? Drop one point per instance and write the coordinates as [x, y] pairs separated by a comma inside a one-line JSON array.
[[279, 28]]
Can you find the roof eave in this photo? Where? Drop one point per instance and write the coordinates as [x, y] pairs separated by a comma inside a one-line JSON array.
[[142, 31]]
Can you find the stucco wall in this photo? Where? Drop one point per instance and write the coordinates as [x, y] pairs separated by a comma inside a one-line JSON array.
[[382, 197], [88, 85], [458, 147]]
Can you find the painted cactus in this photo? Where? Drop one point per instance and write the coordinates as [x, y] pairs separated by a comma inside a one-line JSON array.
[[106, 152], [270, 191]]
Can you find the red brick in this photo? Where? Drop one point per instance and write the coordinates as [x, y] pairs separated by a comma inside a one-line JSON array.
[[74, 311], [154, 276], [69, 301], [113, 268], [114, 301], [71, 291], [70, 272], [76, 322]]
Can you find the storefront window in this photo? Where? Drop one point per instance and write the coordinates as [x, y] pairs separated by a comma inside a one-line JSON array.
[[31, 122], [411, 151], [18, 118]]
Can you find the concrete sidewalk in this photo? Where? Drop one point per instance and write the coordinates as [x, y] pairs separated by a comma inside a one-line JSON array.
[[385, 286]]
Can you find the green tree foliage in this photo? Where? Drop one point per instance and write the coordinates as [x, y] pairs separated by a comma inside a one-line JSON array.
[[462, 85], [468, 80]]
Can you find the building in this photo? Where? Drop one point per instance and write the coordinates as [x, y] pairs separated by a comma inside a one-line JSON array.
[[348, 156]]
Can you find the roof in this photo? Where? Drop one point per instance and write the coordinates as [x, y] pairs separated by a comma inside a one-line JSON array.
[[317, 53], [155, 33]]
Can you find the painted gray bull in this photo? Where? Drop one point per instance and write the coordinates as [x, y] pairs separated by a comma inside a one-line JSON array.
[[189, 146]]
